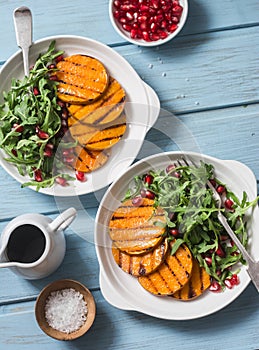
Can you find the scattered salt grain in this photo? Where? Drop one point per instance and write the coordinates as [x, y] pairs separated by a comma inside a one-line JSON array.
[[150, 66], [66, 310], [164, 74]]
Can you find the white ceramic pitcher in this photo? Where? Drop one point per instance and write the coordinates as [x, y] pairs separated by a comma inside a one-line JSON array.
[[36, 242]]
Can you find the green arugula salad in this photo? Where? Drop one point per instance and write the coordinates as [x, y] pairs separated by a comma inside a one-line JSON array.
[[191, 213], [33, 124]]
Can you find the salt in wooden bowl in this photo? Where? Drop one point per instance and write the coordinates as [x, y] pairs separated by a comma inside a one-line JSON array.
[[57, 286]]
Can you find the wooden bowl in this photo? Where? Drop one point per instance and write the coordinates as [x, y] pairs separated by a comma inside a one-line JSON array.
[[40, 309]]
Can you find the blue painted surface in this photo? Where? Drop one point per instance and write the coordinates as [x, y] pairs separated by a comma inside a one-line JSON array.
[[212, 85]]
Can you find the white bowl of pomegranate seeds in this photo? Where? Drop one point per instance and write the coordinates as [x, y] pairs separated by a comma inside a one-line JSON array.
[[148, 22]]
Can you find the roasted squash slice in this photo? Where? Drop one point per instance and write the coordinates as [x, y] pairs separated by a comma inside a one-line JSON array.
[[136, 229], [197, 284], [107, 137], [129, 222], [138, 246], [94, 138], [141, 265], [88, 161], [82, 79], [105, 110], [171, 275]]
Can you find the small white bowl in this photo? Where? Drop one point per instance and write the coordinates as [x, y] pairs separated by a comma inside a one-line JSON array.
[[141, 42]]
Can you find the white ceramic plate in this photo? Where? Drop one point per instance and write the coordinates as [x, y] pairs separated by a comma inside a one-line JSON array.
[[142, 109], [122, 290]]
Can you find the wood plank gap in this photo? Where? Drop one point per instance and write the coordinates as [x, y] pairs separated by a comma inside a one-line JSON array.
[[215, 108]]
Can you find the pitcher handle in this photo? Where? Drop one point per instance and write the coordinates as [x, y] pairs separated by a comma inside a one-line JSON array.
[[63, 220]]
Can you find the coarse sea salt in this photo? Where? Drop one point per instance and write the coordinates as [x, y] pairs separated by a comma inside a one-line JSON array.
[[66, 310]]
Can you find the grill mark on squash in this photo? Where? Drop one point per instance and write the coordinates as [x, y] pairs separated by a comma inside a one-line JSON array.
[[105, 110], [197, 284]]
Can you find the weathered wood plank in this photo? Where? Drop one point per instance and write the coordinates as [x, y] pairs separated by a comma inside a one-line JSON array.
[[91, 19], [115, 329], [201, 71]]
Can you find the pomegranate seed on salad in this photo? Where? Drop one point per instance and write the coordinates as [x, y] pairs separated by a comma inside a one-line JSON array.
[[149, 20]]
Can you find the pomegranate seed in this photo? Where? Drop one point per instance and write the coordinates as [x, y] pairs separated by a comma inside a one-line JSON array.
[[123, 20], [172, 28], [164, 24], [134, 33], [61, 104], [234, 279], [174, 232], [215, 287], [53, 77], [175, 19], [213, 182], [137, 201], [67, 152], [228, 283], [48, 152], [127, 27], [177, 9], [220, 251], [51, 66], [144, 26], [163, 35], [38, 175], [148, 179], [147, 194], [117, 3], [155, 4], [153, 27], [80, 175], [221, 189], [64, 114], [175, 3], [41, 134], [154, 37], [229, 204], [14, 152], [169, 168], [129, 16], [146, 36], [143, 8], [18, 128], [36, 91], [59, 58], [117, 14], [69, 160], [61, 181], [208, 260]]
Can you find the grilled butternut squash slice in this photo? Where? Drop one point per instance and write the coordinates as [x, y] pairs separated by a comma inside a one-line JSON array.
[[82, 79], [138, 246], [197, 284], [140, 265], [105, 110], [171, 275], [137, 229], [88, 161], [108, 137], [94, 138]]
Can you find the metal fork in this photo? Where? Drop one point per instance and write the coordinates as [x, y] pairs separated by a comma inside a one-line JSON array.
[[252, 265]]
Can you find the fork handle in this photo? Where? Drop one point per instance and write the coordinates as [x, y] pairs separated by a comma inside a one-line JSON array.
[[240, 246]]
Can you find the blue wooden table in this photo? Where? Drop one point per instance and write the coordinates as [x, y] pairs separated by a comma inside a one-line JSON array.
[[209, 78]]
